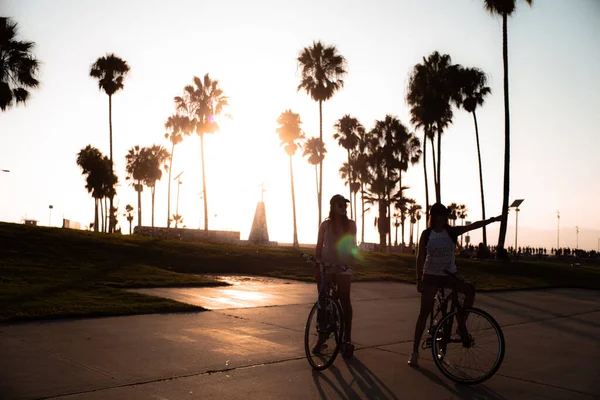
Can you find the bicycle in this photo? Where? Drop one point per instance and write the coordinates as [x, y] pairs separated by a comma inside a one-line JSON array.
[[325, 325], [451, 350]]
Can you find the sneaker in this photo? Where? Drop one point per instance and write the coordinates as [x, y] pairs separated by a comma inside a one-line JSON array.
[[319, 347], [413, 361]]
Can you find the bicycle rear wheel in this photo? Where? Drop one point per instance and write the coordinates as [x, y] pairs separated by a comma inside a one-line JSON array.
[[323, 333], [469, 354]]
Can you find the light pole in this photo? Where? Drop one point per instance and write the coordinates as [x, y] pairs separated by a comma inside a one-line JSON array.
[[178, 178], [50, 207], [577, 233], [515, 204], [557, 230]]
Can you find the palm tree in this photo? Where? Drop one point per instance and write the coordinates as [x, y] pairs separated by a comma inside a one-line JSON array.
[[202, 103], [323, 71], [399, 148], [347, 131], [290, 135], [157, 156], [402, 206], [315, 150], [137, 171], [361, 166], [178, 219], [433, 85], [349, 175], [89, 159], [452, 213], [177, 126], [110, 71], [18, 66], [505, 8], [129, 215], [473, 90], [414, 212]]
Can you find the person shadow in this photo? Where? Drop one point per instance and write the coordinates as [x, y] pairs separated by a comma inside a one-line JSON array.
[[364, 383], [466, 392]]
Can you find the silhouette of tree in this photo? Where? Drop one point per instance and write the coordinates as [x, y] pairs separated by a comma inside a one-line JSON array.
[[202, 102], [347, 130], [110, 71], [137, 170], [18, 66], [290, 136], [323, 71], [129, 215], [504, 8], [157, 156], [177, 126], [474, 89], [315, 150]]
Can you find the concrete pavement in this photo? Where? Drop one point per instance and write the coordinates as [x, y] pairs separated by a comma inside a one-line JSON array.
[[250, 346]]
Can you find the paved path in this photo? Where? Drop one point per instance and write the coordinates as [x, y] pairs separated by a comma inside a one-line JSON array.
[[250, 346]]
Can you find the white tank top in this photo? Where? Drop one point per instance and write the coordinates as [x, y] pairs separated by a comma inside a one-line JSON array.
[[440, 254]]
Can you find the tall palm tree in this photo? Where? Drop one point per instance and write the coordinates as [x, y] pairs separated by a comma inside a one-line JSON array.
[[414, 212], [129, 215], [323, 72], [347, 131], [137, 170], [89, 159], [110, 71], [361, 162], [504, 8], [290, 135], [157, 156], [177, 126], [452, 213], [315, 150], [202, 102], [18, 66], [349, 175], [178, 219], [433, 86], [473, 90]]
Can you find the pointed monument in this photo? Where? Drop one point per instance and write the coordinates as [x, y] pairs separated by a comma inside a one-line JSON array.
[[259, 233]]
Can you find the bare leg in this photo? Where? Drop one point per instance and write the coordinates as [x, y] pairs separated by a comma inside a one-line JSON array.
[[344, 282], [427, 298]]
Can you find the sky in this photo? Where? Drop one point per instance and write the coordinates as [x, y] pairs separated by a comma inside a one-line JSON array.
[[251, 48]]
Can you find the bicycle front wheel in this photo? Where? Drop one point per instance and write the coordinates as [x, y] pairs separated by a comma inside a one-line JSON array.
[[468, 346], [323, 333]]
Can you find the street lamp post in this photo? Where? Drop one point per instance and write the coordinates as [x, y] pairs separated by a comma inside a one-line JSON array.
[[178, 178], [515, 204], [50, 207], [577, 242], [557, 230]]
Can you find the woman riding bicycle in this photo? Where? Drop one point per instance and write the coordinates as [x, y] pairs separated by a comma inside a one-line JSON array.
[[336, 244], [436, 254]]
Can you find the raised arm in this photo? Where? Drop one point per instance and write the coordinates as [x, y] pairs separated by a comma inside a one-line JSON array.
[[475, 225]]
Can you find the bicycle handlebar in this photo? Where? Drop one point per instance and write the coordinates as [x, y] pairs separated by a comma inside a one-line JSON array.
[[324, 265]]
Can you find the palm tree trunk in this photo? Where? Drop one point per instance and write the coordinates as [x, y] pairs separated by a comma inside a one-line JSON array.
[[480, 178], [435, 182], [396, 241], [95, 215], [153, 191], [350, 185], [425, 172], [204, 184], [381, 225], [139, 186], [389, 215], [439, 167], [402, 220], [412, 225], [110, 227], [362, 200], [321, 162], [169, 188], [130, 220], [504, 221], [102, 214], [293, 204], [355, 215], [106, 219]]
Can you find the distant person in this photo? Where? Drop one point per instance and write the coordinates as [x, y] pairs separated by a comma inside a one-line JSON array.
[[436, 254], [336, 244]]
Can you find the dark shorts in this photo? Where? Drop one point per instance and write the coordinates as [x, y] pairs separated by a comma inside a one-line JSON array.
[[438, 280]]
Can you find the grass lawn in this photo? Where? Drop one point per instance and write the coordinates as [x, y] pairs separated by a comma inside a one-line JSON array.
[[53, 272]]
